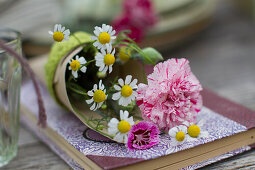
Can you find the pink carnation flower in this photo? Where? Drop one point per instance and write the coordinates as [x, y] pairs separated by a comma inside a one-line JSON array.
[[143, 135], [172, 95]]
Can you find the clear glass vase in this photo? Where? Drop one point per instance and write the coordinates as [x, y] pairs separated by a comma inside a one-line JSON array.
[[10, 82]]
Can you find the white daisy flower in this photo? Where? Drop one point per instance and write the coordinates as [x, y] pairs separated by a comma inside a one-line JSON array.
[[76, 65], [60, 33], [104, 36], [105, 59], [121, 128], [98, 96], [195, 131], [126, 93], [178, 135]]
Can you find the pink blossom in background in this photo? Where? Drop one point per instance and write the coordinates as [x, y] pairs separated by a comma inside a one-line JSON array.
[[137, 16], [143, 135], [172, 95]]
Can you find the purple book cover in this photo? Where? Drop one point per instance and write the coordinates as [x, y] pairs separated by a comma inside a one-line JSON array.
[[98, 149]]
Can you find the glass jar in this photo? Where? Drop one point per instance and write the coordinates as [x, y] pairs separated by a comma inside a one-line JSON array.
[[10, 82]]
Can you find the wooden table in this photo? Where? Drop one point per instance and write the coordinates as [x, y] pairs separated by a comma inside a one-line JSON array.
[[222, 57]]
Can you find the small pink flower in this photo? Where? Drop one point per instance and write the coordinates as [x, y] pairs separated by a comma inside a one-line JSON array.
[[143, 135], [172, 95]]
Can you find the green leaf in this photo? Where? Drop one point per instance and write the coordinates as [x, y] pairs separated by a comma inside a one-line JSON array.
[[153, 54]]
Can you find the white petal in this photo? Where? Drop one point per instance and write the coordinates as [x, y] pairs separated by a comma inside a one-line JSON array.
[[82, 60], [186, 123], [106, 45], [116, 87], [66, 38], [182, 128], [62, 29], [100, 85], [118, 137], [84, 69], [101, 68], [110, 30], [69, 68], [109, 49], [172, 132], [99, 105], [100, 63], [95, 87], [93, 38], [128, 79], [66, 32], [121, 82], [93, 106], [99, 56], [121, 115], [89, 101], [59, 27], [110, 68], [90, 93], [125, 138], [113, 37], [96, 44], [130, 120], [133, 83], [75, 74], [99, 29], [103, 52], [113, 52], [113, 122], [96, 32], [122, 101], [50, 32], [126, 114], [112, 130], [116, 96], [113, 32], [174, 142], [55, 27], [105, 69], [134, 94]]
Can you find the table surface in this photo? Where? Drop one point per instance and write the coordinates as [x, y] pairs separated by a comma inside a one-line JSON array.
[[222, 57]]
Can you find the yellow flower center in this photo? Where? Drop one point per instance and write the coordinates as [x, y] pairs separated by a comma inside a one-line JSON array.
[[124, 126], [104, 38], [126, 91], [109, 59], [58, 36], [99, 96], [193, 131], [124, 54], [75, 65], [180, 136]]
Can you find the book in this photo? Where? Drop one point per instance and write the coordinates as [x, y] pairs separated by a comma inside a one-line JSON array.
[[229, 125]]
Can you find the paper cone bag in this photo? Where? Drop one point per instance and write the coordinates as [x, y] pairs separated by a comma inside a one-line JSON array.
[[57, 73]]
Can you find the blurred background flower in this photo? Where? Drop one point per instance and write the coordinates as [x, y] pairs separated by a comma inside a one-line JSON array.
[[154, 23]]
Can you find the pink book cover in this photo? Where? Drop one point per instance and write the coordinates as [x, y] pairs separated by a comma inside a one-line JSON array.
[[222, 118]]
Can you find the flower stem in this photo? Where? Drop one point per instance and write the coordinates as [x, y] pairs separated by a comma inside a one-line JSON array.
[[91, 61], [77, 91], [42, 115]]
